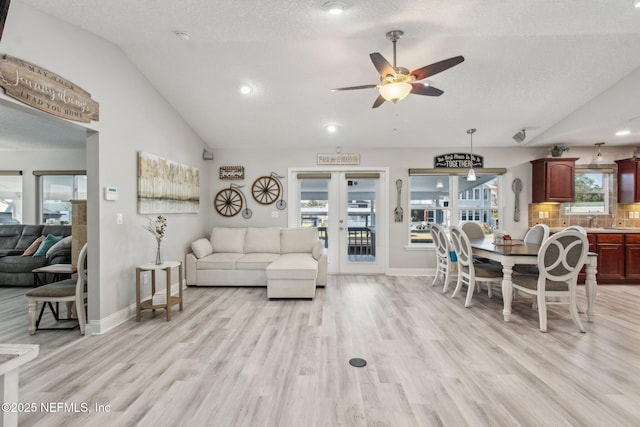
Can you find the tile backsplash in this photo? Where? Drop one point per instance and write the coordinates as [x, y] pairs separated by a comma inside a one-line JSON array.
[[552, 215]]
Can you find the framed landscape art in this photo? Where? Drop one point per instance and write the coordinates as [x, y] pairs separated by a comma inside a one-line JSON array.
[[165, 186]]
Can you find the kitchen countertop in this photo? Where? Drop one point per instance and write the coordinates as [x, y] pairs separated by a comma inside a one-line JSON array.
[[603, 230]]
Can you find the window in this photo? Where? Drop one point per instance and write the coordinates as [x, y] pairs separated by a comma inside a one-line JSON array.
[[55, 192], [593, 189], [10, 197], [430, 197]]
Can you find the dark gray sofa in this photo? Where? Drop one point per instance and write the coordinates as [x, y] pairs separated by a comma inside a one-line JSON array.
[[15, 269]]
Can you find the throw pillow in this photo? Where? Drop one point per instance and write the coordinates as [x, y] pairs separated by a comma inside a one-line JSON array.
[[60, 246], [33, 247], [46, 244], [201, 248]]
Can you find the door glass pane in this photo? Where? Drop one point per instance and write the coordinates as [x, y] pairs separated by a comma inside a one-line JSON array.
[[361, 219], [10, 199], [314, 205], [429, 204]]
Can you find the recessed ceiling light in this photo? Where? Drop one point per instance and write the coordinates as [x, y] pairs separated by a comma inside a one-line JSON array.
[[246, 90], [183, 35], [334, 7], [636, 4], [623, 132], [332, 128]]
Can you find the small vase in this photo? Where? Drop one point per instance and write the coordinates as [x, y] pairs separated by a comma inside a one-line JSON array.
[[159, 253], [556, 153]]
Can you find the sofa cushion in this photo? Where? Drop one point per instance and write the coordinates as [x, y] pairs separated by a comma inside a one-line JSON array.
[[293, 266], [63, 245], [219, 261], [29, 234], [201, 248], [256, 261], [262, 240], [46, 244], [21, 264], [9, 236], [298, 240], [33, 247], [227, 239]]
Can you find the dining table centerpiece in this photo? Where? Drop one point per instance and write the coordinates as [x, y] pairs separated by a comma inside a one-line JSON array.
[[158, 227]]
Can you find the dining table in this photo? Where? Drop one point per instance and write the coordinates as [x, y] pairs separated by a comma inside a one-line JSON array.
[[521, 253]]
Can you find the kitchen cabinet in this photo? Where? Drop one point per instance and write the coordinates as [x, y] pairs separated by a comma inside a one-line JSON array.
[[632, 256], [611, 256], [628, 180], [553, 179]]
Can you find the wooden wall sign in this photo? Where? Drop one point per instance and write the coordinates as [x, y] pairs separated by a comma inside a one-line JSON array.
[[231, 173], [338, 159], [46, 91], [458, 160]]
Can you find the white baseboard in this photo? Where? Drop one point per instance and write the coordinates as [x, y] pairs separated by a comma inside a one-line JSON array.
[[411, 271], [98, 327]]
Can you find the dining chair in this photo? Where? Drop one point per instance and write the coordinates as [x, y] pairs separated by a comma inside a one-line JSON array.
[[470, 273], [444, 256], [535, 235], [577, 228], [560, 259], [73, 292], [473, 230]]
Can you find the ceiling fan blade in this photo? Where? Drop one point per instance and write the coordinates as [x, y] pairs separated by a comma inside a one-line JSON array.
[[379, 101], [437, 67], [354, 87], [421, 89], [382, 65]]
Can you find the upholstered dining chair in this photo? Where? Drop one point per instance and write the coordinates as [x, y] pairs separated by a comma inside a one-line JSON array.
[[535, 235], [469, 272], [73, 292], [444, 261], [560, 259], [473, 230]]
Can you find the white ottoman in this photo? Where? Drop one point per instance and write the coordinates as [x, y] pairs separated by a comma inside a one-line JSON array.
[[292, 276]]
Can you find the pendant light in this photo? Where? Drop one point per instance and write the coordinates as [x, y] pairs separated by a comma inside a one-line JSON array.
[[598, 158], [471, 175]]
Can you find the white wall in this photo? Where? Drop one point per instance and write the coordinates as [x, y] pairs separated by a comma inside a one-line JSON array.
[[133, 117]]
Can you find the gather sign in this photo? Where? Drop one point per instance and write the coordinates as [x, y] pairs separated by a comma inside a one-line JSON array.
[[46, 91]]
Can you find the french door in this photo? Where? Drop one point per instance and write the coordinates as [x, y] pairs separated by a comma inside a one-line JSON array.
[[349, 209]]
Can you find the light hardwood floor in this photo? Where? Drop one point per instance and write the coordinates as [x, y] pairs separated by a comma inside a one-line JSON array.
[[234, 358]]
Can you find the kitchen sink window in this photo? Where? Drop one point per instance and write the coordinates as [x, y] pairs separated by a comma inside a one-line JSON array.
[[593, 192], [451, 199]]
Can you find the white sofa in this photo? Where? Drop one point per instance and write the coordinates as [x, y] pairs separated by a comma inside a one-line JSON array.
[[291, 262]]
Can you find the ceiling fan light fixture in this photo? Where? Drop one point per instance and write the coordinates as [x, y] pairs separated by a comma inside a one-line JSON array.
[[395, 91]]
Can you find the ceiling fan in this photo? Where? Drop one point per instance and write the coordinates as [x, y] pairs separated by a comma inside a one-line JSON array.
[[397, 82]]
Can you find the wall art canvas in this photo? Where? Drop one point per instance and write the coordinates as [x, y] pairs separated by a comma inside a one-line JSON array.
[[165, 186]]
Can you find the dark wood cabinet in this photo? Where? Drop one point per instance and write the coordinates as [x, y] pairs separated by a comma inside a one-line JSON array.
[[628, 180], [611, 256], [632, 256], [553, 179]]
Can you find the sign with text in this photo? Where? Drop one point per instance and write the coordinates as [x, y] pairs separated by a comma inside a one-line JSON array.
[[458, 160], [339, 159], [46, 91]]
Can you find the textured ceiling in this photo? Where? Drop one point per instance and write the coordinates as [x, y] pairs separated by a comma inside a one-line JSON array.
[[566, 71]]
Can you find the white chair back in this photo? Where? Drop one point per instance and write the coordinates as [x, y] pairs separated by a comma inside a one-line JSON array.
[[562, 256], [576, 228], [537, 234], [473, 230]]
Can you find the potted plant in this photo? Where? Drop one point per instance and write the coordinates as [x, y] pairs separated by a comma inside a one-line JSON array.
[[557, 150]]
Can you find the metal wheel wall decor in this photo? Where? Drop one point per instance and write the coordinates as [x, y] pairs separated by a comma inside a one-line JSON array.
[[267, 189], [229, 202]]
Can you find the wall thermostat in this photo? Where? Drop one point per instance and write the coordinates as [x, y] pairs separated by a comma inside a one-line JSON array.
[[110, 193]]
